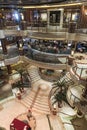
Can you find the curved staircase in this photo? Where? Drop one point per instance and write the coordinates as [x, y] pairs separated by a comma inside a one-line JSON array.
[[36, 102], [37, 97], [68, 79], [34, 75]]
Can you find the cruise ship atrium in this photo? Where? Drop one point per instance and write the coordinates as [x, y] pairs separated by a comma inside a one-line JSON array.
[[43, 64]]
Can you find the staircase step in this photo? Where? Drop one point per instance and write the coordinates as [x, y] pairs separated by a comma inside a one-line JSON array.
[[45, 105], [30, 94], [32, 77], [41, 102], [30, 68], [41, 111], [45, 99], [33, 72], [35, 81], [37, 107], [25, 104], [28, 99], [41, 105], [42, 99]]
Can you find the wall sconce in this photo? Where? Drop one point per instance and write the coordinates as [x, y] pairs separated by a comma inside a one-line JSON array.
[[20, 45], [54, 106], [85, 11], [0, 45], [72, 52]]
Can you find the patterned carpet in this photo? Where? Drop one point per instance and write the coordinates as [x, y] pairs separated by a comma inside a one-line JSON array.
[[81, 123]]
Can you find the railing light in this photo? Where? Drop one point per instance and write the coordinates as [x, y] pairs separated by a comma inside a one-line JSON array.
[[72, 53]]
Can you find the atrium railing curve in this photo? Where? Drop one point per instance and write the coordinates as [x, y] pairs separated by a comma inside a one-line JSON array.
[[35, 55], [46, 57], [80, 69], [45, 26]]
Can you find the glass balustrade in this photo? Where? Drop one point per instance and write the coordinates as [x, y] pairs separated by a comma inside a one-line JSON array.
[[47, 57]]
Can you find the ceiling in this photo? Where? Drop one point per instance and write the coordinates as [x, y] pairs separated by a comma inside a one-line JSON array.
[[13, 3], [41, 1], [29, 2]]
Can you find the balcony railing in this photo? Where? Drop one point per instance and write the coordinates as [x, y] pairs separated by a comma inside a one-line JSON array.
[[46, 57], [40, 26], [35, 55]]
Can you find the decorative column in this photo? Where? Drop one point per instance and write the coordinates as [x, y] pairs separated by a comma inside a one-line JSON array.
[[72, 27], [9, 69], [48, 20], [61, 18], [4, 48], [3, 42], [83, 17]]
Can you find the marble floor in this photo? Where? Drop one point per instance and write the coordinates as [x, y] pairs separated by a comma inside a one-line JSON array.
[[13, 108]]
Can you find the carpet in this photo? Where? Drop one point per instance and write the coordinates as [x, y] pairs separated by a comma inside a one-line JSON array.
[[19, 125]]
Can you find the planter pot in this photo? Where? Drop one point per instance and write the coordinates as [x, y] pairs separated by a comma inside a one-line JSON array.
[[54, 111], [21, 90], [19, 96], [79, 114], [60, 104]]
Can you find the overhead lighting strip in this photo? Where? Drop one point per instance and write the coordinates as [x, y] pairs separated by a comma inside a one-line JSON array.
[[52, 6]]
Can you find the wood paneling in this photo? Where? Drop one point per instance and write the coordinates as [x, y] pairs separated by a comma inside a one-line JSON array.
[[27, 15], [83, 22]]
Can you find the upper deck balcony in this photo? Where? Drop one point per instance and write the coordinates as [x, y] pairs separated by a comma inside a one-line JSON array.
[[32, 56], [68, 31]]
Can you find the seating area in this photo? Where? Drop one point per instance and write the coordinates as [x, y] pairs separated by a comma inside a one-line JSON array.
[[55, 47]]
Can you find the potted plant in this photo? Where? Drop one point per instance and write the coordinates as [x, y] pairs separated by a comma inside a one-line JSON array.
[[59, 92], [20, 85], [18, 95], [59, 97]]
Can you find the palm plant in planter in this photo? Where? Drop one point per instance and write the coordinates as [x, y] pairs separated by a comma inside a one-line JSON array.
[[20, 83], [2, 128], [59, 92], [21, 74]]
